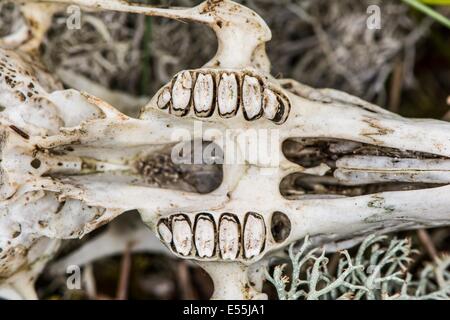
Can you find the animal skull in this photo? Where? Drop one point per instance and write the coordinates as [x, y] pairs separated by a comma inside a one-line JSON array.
[[71, 162]]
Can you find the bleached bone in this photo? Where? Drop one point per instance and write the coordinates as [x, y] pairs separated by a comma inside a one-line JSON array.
[[88, 155]]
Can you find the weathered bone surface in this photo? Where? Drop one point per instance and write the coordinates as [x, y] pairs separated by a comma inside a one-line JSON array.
[[70, 162]]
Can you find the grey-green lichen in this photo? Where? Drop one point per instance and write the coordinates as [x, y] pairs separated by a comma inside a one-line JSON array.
[[378, 271]]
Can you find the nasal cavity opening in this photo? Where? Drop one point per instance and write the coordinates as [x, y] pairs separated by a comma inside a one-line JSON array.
[[280, 226]]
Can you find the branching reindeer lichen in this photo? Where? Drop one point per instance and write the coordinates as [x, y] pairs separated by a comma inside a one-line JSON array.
[[377, 271]]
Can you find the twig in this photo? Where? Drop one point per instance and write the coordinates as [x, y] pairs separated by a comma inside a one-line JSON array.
[[427, 243], [396, 86], [122, 289]]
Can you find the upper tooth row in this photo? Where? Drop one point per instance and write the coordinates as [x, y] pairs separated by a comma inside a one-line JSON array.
[[206, 241], [233, 89]]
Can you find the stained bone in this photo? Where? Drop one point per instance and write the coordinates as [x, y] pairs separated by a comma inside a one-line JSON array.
[[251, 97], [254, 235], [229, 237], [164, 98], [182, 235], [203, 94], [227, 95], [181, 93], [205, 236]]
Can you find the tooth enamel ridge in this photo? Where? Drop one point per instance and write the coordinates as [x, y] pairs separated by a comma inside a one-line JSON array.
[[164, 232], [229, 237], [204, 95], [227, 91], [227, 95], [254, 235], [205, 236], [251, 98], [181, 93], [182, 235], [220, 238], [164, 98], [270, 104]]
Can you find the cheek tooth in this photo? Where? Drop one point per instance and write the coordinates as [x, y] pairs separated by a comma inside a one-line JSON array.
[[164, 232], [181, 93], [205, 238], [227, 95], [229, 237], [203, 94], [182, 235], [254, 235], [251, 98], [164, 98], [270, 105]]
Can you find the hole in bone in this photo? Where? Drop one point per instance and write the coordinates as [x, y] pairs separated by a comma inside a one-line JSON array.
[[358, 169], [311, 152], [147, 166], [35, 163], [280, 226], [306, 186]]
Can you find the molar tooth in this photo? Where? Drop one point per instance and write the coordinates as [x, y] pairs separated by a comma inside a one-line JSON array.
[[164, 232], [181, 93], [205, 238], [204, 95], [229, 237], [164, 98], [182, 234], [251, 98], [254, 235], [227, 95], [270, 104]]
